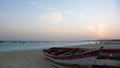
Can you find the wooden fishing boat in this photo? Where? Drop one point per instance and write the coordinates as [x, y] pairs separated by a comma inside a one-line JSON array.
[[72, 56], [108, 58], [109, 54]]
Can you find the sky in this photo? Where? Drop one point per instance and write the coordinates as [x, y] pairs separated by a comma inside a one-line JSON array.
[[59, 20]]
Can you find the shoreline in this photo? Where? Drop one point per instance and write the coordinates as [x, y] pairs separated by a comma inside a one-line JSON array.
[[32, 58]]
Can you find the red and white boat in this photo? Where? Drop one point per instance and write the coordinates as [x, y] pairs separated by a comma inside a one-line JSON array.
[[72, 56], [108, 58], [109, 54]]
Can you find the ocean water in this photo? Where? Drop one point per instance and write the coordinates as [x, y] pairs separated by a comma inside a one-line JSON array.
[[6, 46]]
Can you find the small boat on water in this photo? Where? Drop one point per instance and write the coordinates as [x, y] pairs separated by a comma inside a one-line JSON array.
[[72, 56]]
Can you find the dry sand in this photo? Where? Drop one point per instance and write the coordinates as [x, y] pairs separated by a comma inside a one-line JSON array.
[[29, 59], [23, 59]]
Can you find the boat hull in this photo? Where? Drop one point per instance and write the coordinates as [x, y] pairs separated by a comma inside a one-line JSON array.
[[79, 61], [79, 57], [109, 54]]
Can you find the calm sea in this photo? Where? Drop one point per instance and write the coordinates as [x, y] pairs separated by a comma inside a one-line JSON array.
[[6, 46]]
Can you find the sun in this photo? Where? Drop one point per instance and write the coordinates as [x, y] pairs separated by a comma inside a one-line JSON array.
[[99, 30]]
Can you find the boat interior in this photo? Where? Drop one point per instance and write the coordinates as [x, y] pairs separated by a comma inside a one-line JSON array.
[[66, 51]]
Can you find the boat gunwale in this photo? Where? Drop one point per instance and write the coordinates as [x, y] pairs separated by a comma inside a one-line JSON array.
[[69, 57], [111, 50]]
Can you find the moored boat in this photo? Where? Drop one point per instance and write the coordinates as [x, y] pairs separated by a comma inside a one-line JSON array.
[[72, 56]]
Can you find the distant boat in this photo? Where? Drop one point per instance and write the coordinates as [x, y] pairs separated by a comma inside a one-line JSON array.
[[72, 56]]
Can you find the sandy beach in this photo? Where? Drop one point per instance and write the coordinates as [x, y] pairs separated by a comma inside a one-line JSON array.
[[29, 59], [23, 59]]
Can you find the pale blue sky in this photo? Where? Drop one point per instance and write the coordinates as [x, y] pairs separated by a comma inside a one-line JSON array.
[[59, 19]]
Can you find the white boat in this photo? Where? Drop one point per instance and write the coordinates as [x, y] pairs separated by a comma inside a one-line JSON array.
[[72, 56]]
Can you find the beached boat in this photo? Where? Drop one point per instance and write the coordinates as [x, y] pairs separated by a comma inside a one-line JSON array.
[[72, 56], [109, 54], [108, 58]]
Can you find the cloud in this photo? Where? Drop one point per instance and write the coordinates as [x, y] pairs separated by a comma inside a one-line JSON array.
[[3, 14], [69, 12], [33, 3], [37, 5], [51, 8], [81, 16], [40, 7], [53, 17]]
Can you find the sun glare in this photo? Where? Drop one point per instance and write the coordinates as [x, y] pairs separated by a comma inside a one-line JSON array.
[[101, 31], [98, 30]]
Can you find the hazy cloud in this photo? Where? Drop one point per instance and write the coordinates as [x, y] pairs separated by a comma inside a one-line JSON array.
[[37, 5], [81, 16], [33, 3], [53, 17], [40, 7], [3, 14], [69, 12], [51, 8]]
